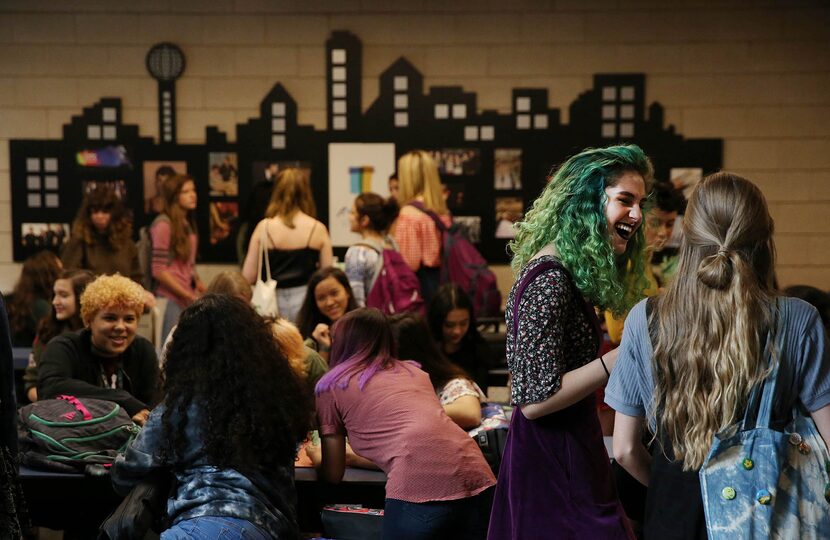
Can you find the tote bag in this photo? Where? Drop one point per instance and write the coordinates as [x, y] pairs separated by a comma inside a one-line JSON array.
[[264, 298], [758, 482]]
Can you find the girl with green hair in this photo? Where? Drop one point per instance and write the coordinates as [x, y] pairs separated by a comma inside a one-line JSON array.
[[580, 245]]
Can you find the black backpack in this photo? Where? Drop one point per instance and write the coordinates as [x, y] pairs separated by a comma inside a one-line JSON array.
[[67, 433]]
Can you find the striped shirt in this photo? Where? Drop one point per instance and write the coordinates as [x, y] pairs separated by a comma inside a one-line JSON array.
[[163, 260]]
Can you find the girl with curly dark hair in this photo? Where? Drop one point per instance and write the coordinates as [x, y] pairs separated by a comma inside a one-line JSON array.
[[102, 236], [232, 416], [29, 301], [64, 317]]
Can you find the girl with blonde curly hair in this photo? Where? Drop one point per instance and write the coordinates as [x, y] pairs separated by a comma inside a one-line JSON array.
[[106, 360], [574, 250], [689, 360]]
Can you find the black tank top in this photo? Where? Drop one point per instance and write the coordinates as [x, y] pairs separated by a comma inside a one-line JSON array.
[[293, 267]]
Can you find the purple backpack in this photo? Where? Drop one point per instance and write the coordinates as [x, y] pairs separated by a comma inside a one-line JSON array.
[[462, 264], [396, 288]]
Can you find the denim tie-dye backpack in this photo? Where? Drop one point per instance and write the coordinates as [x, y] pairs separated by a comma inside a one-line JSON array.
[[759, 482]]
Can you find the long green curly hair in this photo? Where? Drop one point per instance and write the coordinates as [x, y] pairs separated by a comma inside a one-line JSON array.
[[570, 213]]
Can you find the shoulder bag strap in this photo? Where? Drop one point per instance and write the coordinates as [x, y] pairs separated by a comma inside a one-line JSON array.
[[263, 253], [775, 339]]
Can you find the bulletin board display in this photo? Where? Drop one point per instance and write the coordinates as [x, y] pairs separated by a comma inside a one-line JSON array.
[[493, 164]]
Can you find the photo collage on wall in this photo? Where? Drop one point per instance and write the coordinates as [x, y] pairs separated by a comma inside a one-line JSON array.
[[223, 178], [507, 177]]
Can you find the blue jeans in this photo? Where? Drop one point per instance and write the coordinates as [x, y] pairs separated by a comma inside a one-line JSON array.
[[214, 528], [458, 519]]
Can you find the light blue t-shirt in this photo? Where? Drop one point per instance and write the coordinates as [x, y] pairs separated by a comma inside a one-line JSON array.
[[805, 361]]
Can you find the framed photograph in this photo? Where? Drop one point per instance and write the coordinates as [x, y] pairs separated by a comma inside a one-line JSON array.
[[223, 218], [454, 194], [154, 174], [471, 226], [686, 179], [457, 161], [118, 186], [507, 169], [509, 210], [267, 171], [355, 168], [37, 236], [223, 174]]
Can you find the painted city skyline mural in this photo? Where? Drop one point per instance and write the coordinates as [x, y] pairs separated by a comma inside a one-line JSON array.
[[493, 165]]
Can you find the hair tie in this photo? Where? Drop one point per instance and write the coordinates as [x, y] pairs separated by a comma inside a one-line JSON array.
[[723, 251]]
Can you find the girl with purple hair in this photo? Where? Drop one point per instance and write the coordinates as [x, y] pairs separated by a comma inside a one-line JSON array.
[[439, 485]]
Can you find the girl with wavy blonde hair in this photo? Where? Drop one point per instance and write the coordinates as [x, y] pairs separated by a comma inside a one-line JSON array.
[[690, 364], [418, 238]]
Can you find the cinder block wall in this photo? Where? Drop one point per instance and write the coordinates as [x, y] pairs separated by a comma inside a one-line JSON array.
[[756, 73]]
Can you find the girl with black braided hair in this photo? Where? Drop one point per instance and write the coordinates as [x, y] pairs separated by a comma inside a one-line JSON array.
[[228, 428]]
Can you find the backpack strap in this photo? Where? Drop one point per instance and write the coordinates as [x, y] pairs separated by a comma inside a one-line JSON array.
[[374, 246], [435, 217]]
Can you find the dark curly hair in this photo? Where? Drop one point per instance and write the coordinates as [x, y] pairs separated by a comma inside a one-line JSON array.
[[120, 230], [252, 407]]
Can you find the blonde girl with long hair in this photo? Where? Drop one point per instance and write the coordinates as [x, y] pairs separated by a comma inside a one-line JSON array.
[[175, 243], [419, 240], [297, 243], [710, 327]]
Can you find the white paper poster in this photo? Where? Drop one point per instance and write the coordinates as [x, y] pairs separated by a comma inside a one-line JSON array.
[[355, 168]]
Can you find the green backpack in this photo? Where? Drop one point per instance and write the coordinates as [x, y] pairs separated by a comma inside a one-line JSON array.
[[67, 433]]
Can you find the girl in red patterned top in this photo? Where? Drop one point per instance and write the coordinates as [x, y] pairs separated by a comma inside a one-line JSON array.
[[418, 238]]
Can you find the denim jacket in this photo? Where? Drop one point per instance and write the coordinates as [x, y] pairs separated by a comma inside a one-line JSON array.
[[268, 500]]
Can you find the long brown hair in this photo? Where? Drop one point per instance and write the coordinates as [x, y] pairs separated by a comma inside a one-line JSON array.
[[182, 222], [50, 326], [291, 194], [120, 230], [713, 317], [37, 277]]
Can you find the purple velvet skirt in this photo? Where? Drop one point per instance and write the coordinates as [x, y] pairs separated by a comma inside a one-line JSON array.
[[555, 480]]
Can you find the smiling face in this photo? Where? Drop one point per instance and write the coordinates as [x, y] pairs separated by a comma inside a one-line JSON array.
[[659, 226], [64, 299], [455, 327], [623, 211], [332, 298], [187, 196], [113, 330]]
